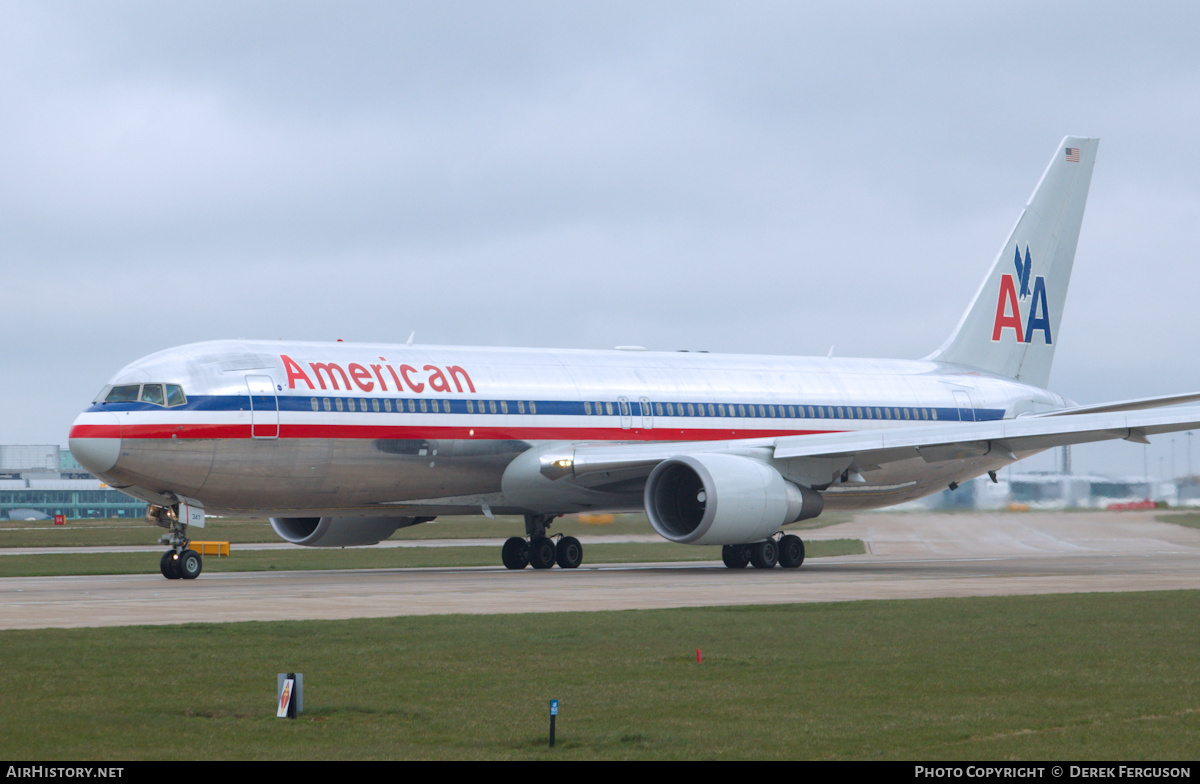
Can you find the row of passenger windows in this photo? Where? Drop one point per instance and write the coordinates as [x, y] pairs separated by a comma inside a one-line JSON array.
[[421, 405], [158, 394], [625, 408], [786, 412]]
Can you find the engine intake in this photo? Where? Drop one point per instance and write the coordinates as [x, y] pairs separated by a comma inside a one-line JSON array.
[[339, 531], [723, 499]]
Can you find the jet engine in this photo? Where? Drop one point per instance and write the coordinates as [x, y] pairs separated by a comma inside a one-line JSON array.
[[710, 498], [339, 531]]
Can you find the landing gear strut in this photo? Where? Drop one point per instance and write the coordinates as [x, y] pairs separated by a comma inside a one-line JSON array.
[[788, 552], [539, 550], [179, 562]]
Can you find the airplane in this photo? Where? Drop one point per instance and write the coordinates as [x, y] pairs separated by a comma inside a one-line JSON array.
[[341, 444]]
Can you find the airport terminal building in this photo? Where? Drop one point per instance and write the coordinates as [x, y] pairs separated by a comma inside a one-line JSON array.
[[40, 481]]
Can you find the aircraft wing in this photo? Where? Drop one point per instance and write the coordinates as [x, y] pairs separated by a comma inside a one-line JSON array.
[[1007, 439], [1140, 403]]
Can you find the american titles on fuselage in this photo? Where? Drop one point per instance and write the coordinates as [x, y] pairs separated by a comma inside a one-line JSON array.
[[431, 376]]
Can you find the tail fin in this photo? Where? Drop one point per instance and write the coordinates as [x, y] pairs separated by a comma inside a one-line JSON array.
[[1011, 327]]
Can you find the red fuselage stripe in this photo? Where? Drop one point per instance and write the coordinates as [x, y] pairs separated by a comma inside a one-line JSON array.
[[240, 431]]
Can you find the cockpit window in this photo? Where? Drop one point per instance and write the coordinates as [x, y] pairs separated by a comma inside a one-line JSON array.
[[147, 393], [126, 393], [153, 393]]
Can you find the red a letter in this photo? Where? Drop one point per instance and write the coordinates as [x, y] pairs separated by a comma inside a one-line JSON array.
[[295, 372], [1008, 297]]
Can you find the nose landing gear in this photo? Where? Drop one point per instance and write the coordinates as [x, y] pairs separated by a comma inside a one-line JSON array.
[[180, 562]]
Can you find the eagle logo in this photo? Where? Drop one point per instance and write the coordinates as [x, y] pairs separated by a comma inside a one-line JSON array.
[[1023, 271]]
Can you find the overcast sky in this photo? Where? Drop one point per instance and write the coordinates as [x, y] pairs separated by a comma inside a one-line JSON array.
[[738, 177]]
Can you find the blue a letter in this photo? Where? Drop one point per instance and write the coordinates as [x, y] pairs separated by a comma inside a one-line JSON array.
[[1039, 312]]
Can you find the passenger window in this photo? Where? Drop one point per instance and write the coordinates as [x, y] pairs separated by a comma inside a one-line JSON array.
[[337, 402], [658, 409], [492, 406], [127, 393], [503, 406], [470, 407], [712, 410], [791, 412], [587, 408], [175, 396], [424, 406], [532, 407], [811, 415], [609, 408], [375, 404], [387, 404], [670, 409], [520, 406], [934, 413], [328, 405], [315, 405], [412, 406]]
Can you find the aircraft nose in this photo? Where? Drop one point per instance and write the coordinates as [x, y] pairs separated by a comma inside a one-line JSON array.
[[96, 441]]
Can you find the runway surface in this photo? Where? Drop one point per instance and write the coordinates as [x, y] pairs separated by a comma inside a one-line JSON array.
[[911, 555]]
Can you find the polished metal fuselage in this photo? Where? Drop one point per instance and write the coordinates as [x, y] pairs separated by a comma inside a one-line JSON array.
[[309, 429]]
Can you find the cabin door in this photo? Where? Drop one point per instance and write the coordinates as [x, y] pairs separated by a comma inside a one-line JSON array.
[[264, 407]]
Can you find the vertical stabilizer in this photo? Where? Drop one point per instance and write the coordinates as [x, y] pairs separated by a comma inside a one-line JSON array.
[[1011, 327]]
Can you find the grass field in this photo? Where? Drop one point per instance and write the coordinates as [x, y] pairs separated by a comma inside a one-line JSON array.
[[1092, 676], [109, 533], [372, 558], [1189, 519]]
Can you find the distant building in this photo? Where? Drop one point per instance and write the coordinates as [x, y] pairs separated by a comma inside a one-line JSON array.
[[40, 481], [1050, 490]]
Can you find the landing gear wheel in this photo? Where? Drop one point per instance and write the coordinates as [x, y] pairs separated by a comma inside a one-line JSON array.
[[542, 553], [569, 552], [515, 553], [735, 556], [791, 552], [764, 555], [190, 564], [169, 566]]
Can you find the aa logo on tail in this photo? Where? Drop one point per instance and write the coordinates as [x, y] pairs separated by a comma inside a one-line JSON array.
[[1008, 303]]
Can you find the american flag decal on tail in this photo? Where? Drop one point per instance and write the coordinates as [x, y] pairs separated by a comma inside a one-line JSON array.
[[1073, 154]]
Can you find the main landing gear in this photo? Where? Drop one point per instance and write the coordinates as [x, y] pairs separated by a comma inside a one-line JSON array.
[[180, 562], [539, 550], [788, 552]]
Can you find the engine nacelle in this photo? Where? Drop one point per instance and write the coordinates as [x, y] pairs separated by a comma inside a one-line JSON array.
[[723, 499], [339, 531]]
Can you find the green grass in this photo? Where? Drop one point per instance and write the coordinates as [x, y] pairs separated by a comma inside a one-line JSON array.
[[1074, 677], [108, 533], [372, 558], [1189, 519]]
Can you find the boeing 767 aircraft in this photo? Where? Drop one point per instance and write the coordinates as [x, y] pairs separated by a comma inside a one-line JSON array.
[[343, 443]]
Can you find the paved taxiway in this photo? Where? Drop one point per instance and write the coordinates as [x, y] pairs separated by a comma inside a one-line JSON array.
[[911, 555]]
